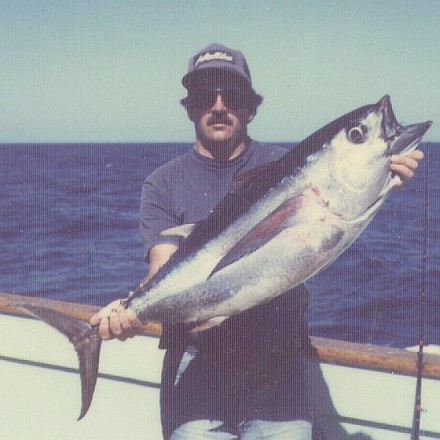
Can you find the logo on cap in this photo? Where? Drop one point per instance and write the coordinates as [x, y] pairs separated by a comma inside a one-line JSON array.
[[208, 56]]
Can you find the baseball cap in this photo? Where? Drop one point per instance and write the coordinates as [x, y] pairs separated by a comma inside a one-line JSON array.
[[220, 58]]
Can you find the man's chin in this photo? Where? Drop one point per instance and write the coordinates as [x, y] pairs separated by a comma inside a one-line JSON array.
[[220, 133]]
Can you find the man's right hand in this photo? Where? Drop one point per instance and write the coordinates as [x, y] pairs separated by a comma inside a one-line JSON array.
[[115, 321]]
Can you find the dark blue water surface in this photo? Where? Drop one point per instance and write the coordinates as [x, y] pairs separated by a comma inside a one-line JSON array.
[[69, 231]]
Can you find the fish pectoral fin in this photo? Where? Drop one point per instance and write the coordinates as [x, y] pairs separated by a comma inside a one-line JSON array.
[[212, 322], [263, 232], [180, 231], [87, 345]]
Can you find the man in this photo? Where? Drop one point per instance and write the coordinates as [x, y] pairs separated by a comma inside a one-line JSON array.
[[245, 378]]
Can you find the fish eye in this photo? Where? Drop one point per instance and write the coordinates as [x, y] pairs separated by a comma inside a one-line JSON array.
[[357, 134]]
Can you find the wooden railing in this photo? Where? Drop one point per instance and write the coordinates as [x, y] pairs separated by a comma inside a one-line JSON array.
[[328, 350]]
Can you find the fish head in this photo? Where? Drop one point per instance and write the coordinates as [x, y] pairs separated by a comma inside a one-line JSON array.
[[359, 155]]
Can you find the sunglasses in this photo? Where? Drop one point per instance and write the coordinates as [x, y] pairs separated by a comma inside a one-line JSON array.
[[233, 98]]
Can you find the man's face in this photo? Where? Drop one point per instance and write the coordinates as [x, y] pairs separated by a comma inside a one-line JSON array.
[[220, 114]]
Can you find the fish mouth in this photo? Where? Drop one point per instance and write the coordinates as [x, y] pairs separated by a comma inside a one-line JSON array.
[[400, 139]]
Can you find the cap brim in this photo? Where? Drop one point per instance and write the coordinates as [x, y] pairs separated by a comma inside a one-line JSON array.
[[203, 72]]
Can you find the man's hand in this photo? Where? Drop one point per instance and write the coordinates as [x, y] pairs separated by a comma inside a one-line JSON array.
[[115, 321], [405, 165]]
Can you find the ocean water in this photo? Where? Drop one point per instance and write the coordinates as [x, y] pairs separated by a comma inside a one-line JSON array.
[[69, 231]]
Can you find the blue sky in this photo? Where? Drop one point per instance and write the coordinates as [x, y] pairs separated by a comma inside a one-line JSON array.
[[110, 71]]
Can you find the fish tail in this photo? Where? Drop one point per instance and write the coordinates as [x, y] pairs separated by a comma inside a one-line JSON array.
[[86, 341]]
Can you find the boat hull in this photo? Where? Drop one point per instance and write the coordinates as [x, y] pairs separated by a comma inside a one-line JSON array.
[[357, 388]]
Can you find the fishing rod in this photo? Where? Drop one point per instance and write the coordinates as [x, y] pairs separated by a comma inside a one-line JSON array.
[[418, 399]]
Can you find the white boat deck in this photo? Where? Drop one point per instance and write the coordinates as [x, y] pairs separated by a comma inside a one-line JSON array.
[[41, 389], [41, 392]]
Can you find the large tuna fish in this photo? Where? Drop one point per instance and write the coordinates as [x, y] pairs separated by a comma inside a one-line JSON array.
[[280, 225]]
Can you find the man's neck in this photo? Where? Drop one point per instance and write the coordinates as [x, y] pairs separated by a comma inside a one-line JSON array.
[[221, 152]]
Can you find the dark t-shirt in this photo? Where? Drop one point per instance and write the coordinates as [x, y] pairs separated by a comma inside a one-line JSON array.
[[187, 188], [246, 368]]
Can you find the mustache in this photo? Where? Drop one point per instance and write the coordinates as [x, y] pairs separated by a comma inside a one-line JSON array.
[[219, 119]]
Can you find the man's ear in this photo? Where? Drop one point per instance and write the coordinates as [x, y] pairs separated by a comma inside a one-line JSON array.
[[189, 111]]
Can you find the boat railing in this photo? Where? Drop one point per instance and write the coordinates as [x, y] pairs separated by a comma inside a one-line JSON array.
[[331, 351]]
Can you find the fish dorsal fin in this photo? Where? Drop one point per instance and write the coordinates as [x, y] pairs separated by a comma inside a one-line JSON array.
[[248, 177]]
